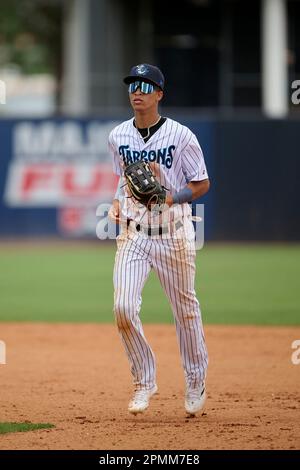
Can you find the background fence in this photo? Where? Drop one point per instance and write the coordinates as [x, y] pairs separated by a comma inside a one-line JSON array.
[[54, 173]]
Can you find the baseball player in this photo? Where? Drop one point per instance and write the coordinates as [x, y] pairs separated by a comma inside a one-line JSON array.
[[145, 243]]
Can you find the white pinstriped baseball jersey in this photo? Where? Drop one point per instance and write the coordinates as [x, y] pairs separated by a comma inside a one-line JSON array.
[[179, 159], [173, 147]]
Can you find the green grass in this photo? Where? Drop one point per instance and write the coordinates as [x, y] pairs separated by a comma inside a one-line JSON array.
[[23, 427], [236, 284]]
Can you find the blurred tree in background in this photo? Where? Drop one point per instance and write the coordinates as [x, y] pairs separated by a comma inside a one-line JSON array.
[[31, 36]]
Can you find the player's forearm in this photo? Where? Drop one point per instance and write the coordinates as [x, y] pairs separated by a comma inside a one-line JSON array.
[[193, 190], [199, 188], [120, 190]]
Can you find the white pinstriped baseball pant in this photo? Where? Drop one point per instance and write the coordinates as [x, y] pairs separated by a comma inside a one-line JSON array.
[[173, 260]]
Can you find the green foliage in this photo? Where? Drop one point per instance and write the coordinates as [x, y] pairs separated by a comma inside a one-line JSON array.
[[23, 427], [31, 35]]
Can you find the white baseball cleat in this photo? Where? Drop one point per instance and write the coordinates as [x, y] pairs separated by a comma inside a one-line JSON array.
[[141, 399], [195, 400]]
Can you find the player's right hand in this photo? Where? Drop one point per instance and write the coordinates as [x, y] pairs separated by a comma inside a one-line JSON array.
[[114, 211]]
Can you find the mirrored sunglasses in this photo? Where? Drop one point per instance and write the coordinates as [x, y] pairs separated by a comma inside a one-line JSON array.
[[143, 86]]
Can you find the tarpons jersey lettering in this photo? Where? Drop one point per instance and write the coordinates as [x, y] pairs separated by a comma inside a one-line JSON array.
[[173, 146], [163, 156]]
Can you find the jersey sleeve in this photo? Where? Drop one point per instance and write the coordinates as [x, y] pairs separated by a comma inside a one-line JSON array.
[[193, 163], [116, 163]]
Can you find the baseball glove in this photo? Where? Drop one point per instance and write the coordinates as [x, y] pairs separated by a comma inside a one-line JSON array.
[[143, 185]]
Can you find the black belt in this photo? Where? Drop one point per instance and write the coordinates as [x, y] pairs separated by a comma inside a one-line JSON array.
[[154, 230]]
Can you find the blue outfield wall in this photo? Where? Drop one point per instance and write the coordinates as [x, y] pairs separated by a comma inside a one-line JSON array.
[[19, 221], [54, 173], [257, 167]]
